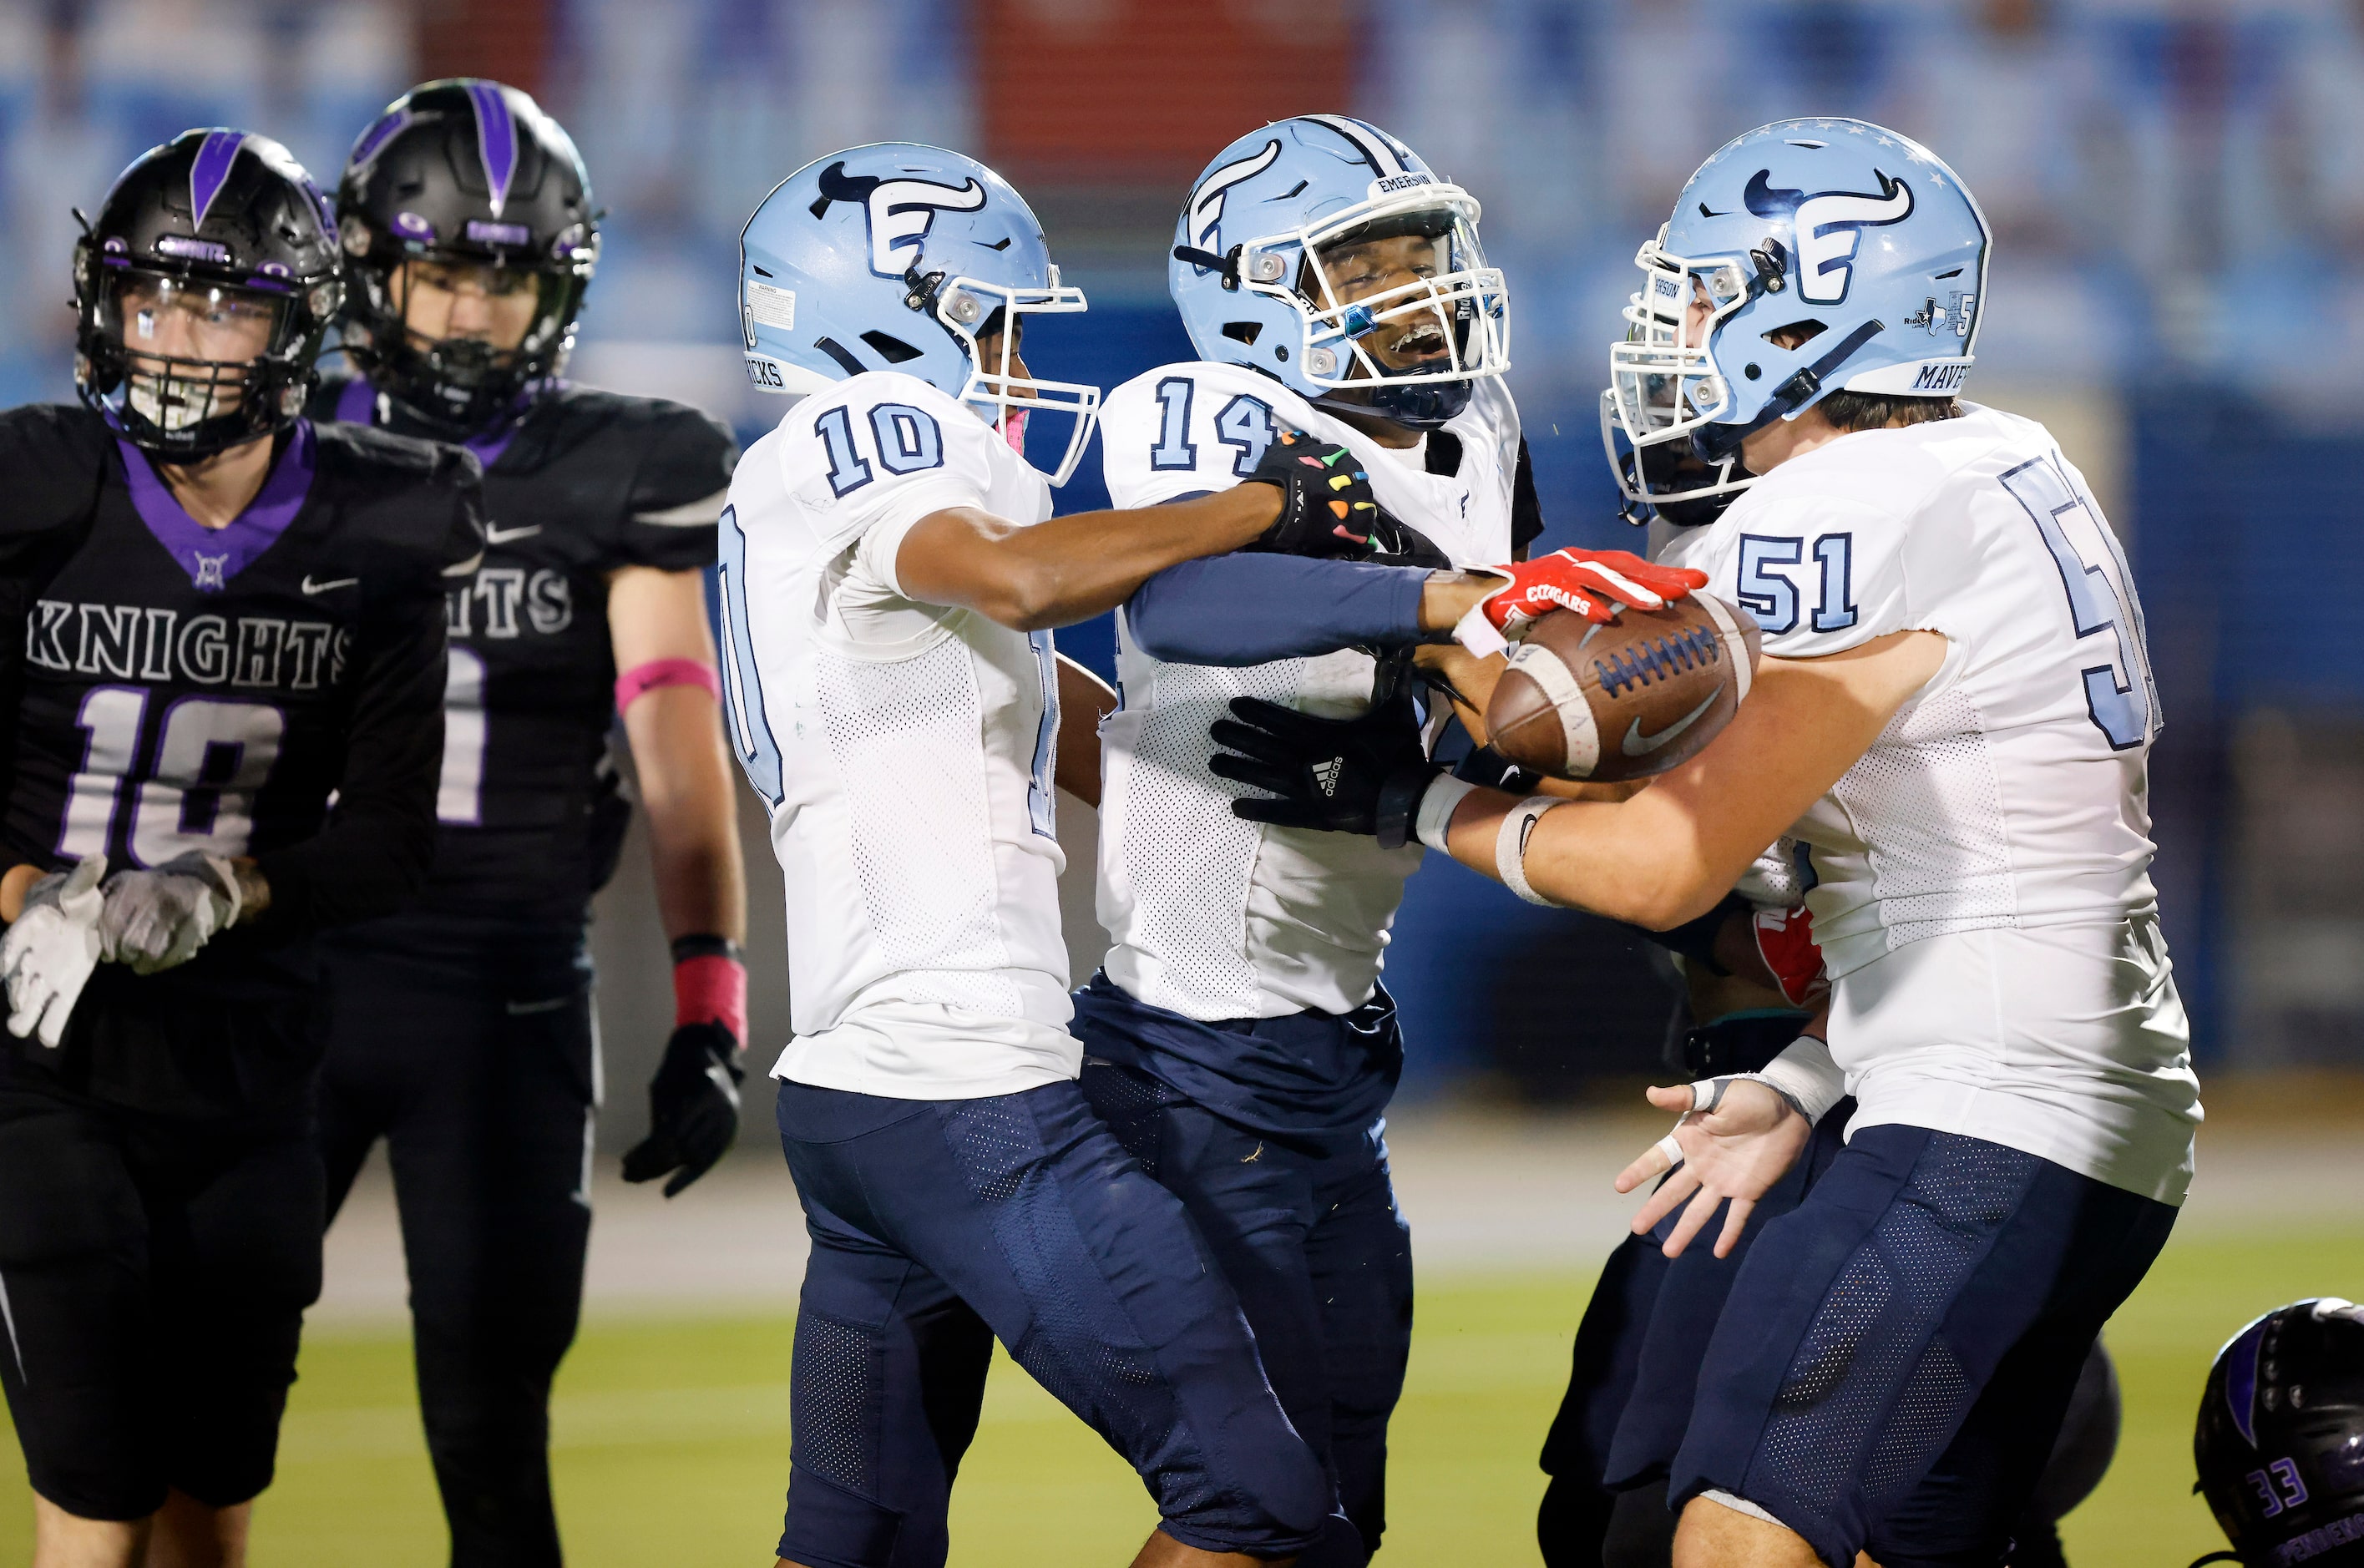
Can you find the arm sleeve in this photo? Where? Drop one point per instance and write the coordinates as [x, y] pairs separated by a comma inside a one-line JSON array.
[[1251, 608], [374, 855], [678, 492]]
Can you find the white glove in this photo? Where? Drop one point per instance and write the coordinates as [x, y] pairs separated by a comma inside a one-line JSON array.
[[49, 954], [156, 920]]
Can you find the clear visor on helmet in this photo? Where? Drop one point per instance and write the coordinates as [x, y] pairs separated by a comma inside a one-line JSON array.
[[190, 346], [1394, 288], [990, 318], [1663, 383]]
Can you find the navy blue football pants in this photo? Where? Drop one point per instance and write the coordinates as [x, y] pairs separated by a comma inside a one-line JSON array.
[[479, 1071], [1308, 1235], [1635, 1369], [1897, 1354], [939, 1226]]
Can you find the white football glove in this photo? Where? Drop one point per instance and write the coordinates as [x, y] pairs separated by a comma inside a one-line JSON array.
[[49, 954], [157, 919]]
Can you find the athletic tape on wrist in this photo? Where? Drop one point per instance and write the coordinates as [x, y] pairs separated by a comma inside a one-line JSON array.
[[1443, 798], [641, 679], [1511, 846]]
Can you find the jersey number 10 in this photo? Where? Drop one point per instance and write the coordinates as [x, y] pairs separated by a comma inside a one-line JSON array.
[[211, 758]]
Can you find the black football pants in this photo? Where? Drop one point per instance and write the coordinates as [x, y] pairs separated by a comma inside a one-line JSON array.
[[480, 1071]]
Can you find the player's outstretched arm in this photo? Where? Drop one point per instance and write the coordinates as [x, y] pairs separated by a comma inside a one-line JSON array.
[[669, 696], [1071, 568], [1251, 608], [1669, 853]]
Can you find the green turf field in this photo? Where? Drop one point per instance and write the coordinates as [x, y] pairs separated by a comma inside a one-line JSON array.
[[672, 1437]]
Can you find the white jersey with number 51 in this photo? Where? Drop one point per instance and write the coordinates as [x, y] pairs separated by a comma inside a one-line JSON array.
[[904, 749], [1983, 893]]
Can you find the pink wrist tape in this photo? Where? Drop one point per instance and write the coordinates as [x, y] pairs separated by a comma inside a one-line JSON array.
[[712, 989], [641, 679]]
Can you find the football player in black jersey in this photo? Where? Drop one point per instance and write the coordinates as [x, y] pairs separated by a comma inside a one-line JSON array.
[[462, 1031], [221, 666]]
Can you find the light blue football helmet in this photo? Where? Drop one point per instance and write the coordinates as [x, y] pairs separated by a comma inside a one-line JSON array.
[[898, 256], [1248, 269], [1855, 247]]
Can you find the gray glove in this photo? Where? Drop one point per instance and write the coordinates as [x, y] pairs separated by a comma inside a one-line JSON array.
[[158, 920]]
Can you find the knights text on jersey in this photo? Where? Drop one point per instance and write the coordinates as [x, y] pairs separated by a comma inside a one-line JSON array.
[[586, 483], [1210, 917], [905, 751], [175, 687], [2008, 796]]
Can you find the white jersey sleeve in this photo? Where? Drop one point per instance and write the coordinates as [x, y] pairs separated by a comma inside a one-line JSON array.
[[912, 804]]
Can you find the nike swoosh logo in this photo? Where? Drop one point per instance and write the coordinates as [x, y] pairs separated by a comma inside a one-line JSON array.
[[507, 535], [1637, 744], [312, 587]]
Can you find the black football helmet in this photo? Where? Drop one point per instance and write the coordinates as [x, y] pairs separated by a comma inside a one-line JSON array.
[[2281, 1440], [202, 291], [468, 171]]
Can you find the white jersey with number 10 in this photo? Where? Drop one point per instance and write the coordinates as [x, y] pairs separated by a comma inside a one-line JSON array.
[[904, 749]]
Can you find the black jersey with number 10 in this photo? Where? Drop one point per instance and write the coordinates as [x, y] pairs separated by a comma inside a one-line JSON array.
[[268, 689]]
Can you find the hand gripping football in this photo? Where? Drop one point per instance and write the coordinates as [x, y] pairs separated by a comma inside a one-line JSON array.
[[1626, 700]]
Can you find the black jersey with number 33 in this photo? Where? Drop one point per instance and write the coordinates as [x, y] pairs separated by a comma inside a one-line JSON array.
[[584, 483], [272, 688]]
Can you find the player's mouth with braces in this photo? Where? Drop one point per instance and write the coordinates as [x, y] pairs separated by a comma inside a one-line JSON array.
[[1423, 342]]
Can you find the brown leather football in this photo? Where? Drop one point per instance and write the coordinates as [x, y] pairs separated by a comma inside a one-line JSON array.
[[1626, 700]]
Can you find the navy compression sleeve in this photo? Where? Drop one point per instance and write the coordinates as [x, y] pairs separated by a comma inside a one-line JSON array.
[[1253, 607]]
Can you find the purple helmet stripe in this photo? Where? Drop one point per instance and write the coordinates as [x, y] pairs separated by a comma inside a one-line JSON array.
[[378, 135], [495, 139], [2241, 1379], [209, 170]]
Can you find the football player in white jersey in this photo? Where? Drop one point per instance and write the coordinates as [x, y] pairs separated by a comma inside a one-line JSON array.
[[1239, 1042], [889, 579], [1954, 714]]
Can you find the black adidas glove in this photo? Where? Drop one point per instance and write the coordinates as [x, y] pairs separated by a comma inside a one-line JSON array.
[[1326, 510], [693, 1108], [1341, 775]]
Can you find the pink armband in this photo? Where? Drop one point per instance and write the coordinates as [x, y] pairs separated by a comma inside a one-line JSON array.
[[641, 679], [711, 988]]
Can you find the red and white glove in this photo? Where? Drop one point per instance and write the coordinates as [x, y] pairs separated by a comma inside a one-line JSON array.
[[1785, 940], [1592, 582]]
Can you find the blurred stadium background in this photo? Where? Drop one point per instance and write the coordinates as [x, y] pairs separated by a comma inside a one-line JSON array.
[[2179, 290]]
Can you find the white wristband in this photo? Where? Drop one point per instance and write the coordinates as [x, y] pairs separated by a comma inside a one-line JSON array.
[[1807, 1075], [1511, 846], [1443, 797]]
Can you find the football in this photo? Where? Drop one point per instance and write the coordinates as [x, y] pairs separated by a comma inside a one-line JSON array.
[[1626, 700]]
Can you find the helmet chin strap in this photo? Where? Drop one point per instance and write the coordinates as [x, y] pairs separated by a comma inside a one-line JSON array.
[[1423, 406], [1716, 442]]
